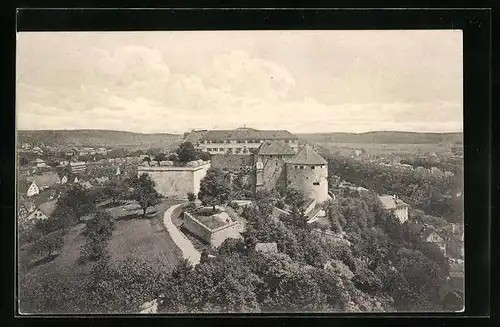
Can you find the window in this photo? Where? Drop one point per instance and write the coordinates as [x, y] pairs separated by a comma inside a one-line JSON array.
[[312, 167], [221, 149], [316, 183], [276, 164], [301, 167], [289, 182]]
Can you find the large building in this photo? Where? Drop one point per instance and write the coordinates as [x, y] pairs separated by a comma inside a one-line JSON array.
[[176, 182], [237, 141], [278, 166]]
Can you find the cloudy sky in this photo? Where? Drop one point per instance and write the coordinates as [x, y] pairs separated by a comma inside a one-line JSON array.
[[303, 81]]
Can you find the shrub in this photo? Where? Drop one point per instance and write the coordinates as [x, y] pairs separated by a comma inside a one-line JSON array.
[[191, 197]]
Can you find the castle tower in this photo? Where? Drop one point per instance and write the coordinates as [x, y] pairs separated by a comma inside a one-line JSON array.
[[307, 171], [269, 164]]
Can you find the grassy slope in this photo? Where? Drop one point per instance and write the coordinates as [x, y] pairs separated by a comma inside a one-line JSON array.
[[144, 240]]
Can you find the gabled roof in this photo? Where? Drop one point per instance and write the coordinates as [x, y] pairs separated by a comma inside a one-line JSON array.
[[275, 147], [48, 207], [45, 179], [429, 231], [307, 156]]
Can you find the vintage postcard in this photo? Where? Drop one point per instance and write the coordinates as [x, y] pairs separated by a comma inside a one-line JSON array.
[[240, 171]]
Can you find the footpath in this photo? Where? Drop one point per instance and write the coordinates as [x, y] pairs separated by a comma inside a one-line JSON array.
[[183, 243]]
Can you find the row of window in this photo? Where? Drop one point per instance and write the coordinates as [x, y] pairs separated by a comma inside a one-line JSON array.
[[302, 167], [236, 150], [314, 183], [240, 141]]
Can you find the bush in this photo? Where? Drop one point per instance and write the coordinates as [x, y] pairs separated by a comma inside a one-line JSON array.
[[191, 197]]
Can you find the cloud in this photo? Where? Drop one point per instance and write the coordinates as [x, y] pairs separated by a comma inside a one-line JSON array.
[[134, 88]]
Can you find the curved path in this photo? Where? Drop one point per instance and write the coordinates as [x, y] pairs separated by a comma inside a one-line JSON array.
[[183, 243]]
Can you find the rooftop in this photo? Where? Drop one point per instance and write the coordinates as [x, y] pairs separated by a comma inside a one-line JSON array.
[[45, 180], [390, 202], [275, 147], [239, 134], [48, 207], [307, 156]]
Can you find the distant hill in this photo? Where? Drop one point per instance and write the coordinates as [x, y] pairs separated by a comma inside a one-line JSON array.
[[98, 138], [385, 137]]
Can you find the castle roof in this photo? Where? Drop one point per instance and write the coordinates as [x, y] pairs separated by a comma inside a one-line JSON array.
[[307, 156], [239, 134], [275, 147]]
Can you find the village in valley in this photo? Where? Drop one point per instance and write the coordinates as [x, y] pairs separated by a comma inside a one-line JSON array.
[[246, 194]]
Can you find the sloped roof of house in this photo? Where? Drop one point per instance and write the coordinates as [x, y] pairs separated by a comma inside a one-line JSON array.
[[429, 231], [389, 202], [48, 207], [22, 201], [275, 147], [307, 156], [243, 134], [45, 179]]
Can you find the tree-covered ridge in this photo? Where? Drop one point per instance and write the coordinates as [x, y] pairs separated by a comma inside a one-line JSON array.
[[374, 265], [432, 194], [385, 137]]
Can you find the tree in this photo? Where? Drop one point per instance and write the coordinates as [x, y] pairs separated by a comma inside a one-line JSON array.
[[191, 197], [146, 159], [98, 231], [295, 197], [205, 156], [48, 244], [186, 152], [214, 188], [143, 192], [114, 190], [76, 201], [160, 157]]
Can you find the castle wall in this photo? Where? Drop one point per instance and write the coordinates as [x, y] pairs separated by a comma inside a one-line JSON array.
[[175, 182], [232, 230], [312, 181], [215, 237], [273, 172]]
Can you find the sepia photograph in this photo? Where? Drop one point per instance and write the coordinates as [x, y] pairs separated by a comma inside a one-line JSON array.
[[252, 171]]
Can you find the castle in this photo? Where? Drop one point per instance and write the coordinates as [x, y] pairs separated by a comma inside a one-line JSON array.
[[277, 159], [278, 166]]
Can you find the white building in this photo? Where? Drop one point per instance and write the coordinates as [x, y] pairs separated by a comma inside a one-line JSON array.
[[396, 206], [237, 141]]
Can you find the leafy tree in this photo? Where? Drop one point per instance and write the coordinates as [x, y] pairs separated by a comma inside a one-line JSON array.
[[146, 159], [295, 197], [97, 232], [75, 202], [214, 188], [160, 157], [114, 190], [191, 196], [205, 156], [186, 152], [47, 245], [143, 192]]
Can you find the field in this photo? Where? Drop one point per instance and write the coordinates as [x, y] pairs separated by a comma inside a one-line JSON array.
[[143, 240], [375, 149]]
